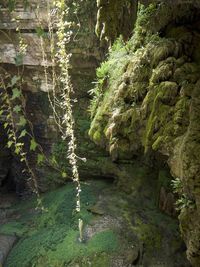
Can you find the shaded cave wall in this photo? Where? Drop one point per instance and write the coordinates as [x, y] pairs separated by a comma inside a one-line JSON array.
[[86, 55]]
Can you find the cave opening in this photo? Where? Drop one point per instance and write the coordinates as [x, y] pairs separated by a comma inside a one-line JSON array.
[[8, 184]]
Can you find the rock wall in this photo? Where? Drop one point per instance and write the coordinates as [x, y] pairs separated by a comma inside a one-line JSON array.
[[147, 103], [114, 18], [86, 55]]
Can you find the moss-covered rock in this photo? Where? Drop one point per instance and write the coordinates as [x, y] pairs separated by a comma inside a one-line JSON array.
[[153, 107], [115, 17]]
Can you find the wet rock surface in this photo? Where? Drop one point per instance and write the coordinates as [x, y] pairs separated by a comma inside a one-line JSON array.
[[6, 244]]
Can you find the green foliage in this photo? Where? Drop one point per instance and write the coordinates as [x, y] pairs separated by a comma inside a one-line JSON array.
[[11, 5], [23, 133], [14, 80], [16, 93], [177, 185], [145, 14], [59, 155], [150, 235], [33, 145], [17, 108], [105, 241], [103, 71], [40, 158], [22, 121], [110, 70], [11, 228], [40, 32], [16, 123], [184, 202], [19, 59]]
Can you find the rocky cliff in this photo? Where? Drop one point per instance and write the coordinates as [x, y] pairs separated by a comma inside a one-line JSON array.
[[144, 114], [147, 103], [32, 21]]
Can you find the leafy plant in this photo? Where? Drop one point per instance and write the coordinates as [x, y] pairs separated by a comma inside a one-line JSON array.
[[177, 185], [109, 72], [184, 202]]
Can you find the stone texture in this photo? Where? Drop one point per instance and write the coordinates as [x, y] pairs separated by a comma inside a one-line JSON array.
[[86, 54], [114, 18], [6, 244], [167, 202], [151, 106]]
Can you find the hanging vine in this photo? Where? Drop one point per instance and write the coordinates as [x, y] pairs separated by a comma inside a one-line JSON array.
[[59, 36], [13, 111], [64, 35]]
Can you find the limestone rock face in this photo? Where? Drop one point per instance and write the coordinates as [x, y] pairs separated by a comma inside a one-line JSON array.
[[86, 53], [149, 104], [115, 17]]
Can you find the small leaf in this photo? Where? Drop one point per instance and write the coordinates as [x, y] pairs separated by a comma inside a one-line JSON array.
[[23, 133], [53, 160], [17, 150], [15, 93], [14, 80], [40, 32], [22, 121], [33, 145], [8, 116], [5, 125], [64, 175], [40, 158], [19, 59], [17, 109], [9, 144]]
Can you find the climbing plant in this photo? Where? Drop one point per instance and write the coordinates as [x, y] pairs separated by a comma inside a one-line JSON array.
[[13, 112], [58, 36], [16, 124]]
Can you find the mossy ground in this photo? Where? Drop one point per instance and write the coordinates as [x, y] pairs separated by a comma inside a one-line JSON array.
[[51, 238], [121, 222]]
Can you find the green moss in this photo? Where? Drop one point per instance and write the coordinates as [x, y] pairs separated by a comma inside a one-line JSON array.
[[17, 228], [100, 260], [111, 70], [181, 110], [97, 137], [150, 235], [70, 249], [109, 17], [52, 236], [164, 180], [59, 154]]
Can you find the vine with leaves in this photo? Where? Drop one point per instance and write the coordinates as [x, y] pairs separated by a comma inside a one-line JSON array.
[[59, 36], [13, 112]]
